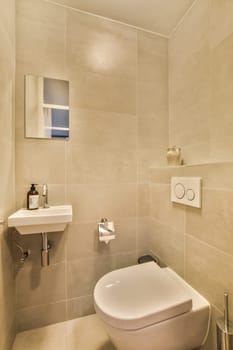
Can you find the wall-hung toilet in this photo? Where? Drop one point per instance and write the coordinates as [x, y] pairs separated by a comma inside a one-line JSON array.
[[145, 307]]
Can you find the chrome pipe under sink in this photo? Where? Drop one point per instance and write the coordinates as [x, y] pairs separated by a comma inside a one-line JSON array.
[[45, 250]]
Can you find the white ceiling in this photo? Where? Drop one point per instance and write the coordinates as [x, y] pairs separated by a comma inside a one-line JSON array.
[[160, 16]]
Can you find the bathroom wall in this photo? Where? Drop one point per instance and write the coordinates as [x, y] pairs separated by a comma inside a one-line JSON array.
[[200, 83], [7, 69], [197, 243], [119, 128]]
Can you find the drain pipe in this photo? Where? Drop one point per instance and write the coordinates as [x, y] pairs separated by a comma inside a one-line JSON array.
[[45, 250]]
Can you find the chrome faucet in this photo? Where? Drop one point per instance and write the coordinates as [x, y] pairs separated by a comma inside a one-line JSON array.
[[45, 195]]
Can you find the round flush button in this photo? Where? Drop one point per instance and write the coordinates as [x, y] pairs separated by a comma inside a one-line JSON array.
[[179, 191], [190, 194]]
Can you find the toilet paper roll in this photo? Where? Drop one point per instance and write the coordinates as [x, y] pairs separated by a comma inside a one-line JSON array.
[[106, 231], [107, 238]]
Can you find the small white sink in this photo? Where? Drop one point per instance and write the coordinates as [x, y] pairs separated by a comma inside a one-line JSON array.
[[52, 219]]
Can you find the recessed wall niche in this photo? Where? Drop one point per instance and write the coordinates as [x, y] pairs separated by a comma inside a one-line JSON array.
[[46, 108]]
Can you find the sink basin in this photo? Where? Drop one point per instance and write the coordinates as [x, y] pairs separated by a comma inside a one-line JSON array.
[[54, 218]]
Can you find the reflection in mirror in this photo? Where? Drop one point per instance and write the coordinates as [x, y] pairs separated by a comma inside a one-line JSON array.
[[46, 107]]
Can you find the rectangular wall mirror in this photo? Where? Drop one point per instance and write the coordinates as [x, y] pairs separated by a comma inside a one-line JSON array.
[[46, 108]]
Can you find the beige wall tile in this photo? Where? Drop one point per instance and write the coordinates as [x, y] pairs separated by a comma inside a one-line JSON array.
[[100, 46], [102, 93], [152, 98], [213, 222], [7, 171], [119, 261], [208, 270], [102, 147], [196, 26], [221, 151], [83, 239], [200, 83], [221, 124], [40, 162], [7, 305], [168, 245], [36, 286], [83, 274], [100, 165], [152, 44], [221, 20], [92, 202], [42, 315], [143, 204], [196, 153], [163, 210], [149, 158], [79, 307], [7, 178], [152, 57], [190, 99], [189, 81], [163, 175], [152, 131], [152, 102], [115, 131], [214, 175], [143, 233], [40, 34], [19, 103]]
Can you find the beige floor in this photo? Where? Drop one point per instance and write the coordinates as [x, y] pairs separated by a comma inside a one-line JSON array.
[[84, 333]]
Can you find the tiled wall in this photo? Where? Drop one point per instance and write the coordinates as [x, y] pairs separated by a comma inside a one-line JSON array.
[[119, 127], [7, 70], [201, 84], [197, 243]]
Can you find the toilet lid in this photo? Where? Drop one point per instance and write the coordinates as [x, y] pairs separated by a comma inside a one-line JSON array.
[[140, 295]]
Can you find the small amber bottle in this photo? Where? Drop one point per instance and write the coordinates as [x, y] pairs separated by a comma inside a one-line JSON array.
[[33, 198]]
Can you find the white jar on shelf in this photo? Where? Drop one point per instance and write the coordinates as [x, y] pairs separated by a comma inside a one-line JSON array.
[[174, 156]]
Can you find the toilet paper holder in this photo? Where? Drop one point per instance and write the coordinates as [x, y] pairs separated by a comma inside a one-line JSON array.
[[106, 230], [224, 329]]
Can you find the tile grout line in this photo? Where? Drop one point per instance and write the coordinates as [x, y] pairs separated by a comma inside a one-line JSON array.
[[137, 130], [53, 2], [209, 245], [173, 31], [66, 178], [185, 241]]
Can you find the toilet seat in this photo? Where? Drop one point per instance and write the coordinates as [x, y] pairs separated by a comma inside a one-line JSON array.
[[139, 296]]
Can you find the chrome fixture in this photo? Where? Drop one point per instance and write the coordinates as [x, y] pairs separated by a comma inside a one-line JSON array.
[[225, 329], [104, 226], [106, 230], [24, 254], [46, 246], [45, 195]]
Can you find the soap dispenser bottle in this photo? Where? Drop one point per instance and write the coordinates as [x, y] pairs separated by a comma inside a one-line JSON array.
[[33, 198]]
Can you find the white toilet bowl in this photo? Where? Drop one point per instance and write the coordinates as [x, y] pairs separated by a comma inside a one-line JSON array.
[[145, 307]]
